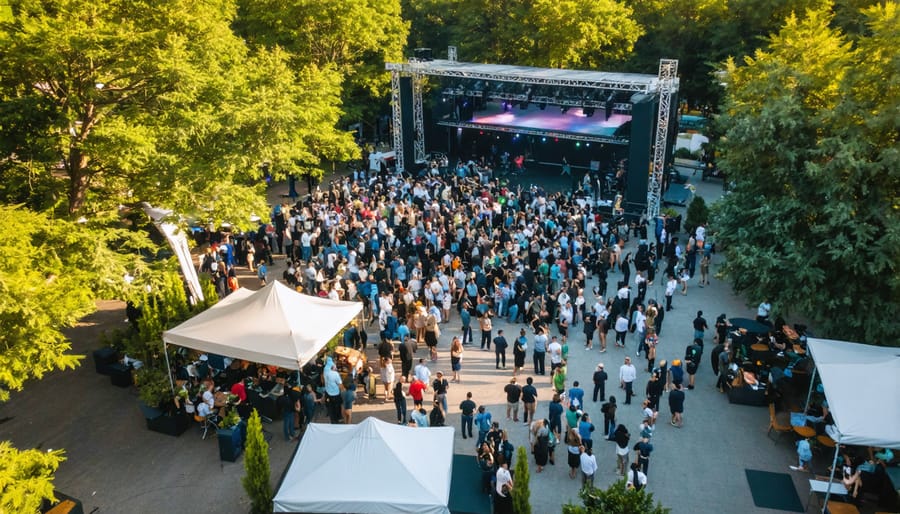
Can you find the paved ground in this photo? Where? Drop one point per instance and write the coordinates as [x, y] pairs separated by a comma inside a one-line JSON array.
[[116, 465]]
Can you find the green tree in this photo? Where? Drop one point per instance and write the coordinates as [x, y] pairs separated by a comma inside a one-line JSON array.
[[256, 467], [697, 213], [554, 33], [51, 271], [26, 477], [353, 38], [810, 145], [521, 493], [615, 500], [112, 101]]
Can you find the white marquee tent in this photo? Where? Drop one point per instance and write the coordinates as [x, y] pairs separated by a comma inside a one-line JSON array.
[[856, 378], [404, 470], [274, 325]]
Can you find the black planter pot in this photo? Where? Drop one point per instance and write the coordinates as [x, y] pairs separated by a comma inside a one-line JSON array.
[[171, 423]]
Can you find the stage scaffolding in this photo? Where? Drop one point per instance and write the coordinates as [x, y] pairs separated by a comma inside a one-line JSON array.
[[662, 86]]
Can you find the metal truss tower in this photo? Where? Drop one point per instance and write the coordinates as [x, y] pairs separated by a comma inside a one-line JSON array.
[[397, 120], [668, 77]]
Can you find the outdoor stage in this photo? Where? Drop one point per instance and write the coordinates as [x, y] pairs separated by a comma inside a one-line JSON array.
[[574, 121]]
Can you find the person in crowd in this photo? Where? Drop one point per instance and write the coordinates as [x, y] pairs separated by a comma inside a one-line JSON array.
[[467, 415], [621, 436], [500, 345], [519, 347], [573, 450], [400, 400], [529, 399], [600, 377], [483, 422], [627, 376], [456, 354], [676, 405], [636, 478], [540, 350], [804, 455], [440, 386], [588, 467], [513, 395]]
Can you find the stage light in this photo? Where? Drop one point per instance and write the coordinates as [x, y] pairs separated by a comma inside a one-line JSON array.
[[587, 144], [578, 144], [556, 140], [543, 140], [480, 132]]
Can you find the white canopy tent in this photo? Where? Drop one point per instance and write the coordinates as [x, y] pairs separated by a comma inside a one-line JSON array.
[[856, 378], [274, 325], [406, 470]]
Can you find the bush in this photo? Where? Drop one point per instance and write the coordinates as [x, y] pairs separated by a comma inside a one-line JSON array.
[[697, 213], [615, 500], [256, 468], [521, 493], [684, 153]]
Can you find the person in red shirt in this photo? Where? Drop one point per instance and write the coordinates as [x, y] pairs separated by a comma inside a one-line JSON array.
[[239, 390], [416, 390]]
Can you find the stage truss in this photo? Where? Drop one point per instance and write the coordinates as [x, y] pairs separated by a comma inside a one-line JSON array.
[[664, 86]]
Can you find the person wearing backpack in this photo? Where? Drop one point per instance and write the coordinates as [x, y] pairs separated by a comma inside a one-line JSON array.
[[692, 356]]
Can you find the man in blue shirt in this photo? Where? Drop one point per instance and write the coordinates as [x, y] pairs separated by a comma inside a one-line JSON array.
[[540, 351], [466, 319], [576, 395], [483, 422], [333, 391]]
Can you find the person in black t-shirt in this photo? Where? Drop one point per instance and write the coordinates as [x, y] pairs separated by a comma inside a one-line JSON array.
[[513, 394], [468, 415], [529, 399], [600, 377]]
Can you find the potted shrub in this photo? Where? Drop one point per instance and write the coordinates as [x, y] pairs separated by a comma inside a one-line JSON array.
[[231, 434], [158, 403]]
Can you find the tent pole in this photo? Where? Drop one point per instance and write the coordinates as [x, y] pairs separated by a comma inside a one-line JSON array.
[[812, 381], [168, 367], [837, 449]]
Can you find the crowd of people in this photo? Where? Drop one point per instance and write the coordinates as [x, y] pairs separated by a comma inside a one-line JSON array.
[[420, 252]]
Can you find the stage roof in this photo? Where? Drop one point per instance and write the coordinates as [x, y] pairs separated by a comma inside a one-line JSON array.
[[636, 82]]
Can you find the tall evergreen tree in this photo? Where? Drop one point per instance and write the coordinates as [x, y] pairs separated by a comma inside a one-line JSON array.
[[256, 467]]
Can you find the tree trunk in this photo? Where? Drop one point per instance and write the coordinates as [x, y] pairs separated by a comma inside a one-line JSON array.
[[78, 179]]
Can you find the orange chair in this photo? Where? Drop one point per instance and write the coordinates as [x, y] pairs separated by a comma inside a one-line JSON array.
[[775, 425], [207, 423]]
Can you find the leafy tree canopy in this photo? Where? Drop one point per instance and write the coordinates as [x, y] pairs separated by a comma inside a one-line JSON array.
[[813, 221], [26, 477], [113, 101]]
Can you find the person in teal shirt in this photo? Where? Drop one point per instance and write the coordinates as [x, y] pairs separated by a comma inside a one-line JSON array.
[[466, 318]]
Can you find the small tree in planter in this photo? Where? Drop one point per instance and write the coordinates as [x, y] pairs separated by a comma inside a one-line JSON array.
[[615, 500], [697, 213], [521, 493], [256, 467]]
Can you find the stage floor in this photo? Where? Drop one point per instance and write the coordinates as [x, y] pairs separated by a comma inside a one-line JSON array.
[[551, 118]]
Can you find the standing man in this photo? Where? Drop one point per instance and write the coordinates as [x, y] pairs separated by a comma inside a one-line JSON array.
[[422, 372], [700, 327], [627, 375], [555, 350], [642, 451], [529, 399], [408, 349], [671, 285], [576, 395], [513, 394], [540, 351], [483, 421], [333, 394], [500, 345], [762, 312], [676, 405], [600, 378], [440, 386], [468, 415], [417, 391], [692, 356], [466, 317]]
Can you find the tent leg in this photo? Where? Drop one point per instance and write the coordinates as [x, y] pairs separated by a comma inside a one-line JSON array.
[[837, 450], [812, 381], [168, 367]]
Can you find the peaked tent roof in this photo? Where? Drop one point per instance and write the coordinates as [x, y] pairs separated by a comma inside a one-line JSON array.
[[274, 325], [407, 469], [856, 378]]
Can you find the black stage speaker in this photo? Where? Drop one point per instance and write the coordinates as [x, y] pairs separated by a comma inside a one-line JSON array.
[[640, 154], [406, 123]]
